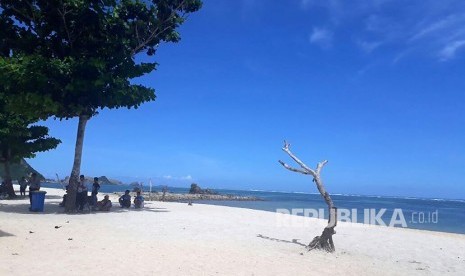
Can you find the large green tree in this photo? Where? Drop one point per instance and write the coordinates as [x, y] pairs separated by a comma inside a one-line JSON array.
[[95, 46], [19, 139]]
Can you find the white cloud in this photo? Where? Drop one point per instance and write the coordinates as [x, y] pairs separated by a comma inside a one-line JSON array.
[[368, 46], [321, 37], [443, 36], [187, 177], [449, 51], [445, 26], [428, 28], [170, 177]]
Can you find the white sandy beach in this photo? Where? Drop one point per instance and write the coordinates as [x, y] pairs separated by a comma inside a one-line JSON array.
[[177, 239]]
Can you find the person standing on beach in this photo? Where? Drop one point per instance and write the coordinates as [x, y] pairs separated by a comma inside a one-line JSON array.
[[34, 185], [3, 192], [81, 196], [95, 188], [22, 186]]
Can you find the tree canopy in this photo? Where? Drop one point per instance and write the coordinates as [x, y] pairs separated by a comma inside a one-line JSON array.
[[89, 47]]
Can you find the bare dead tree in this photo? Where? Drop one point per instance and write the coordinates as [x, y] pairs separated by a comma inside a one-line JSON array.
[[325, 240], [165, 189]]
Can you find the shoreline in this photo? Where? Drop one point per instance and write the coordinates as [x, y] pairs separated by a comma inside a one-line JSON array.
[[125, 186], [115, 195], [172, 238], [185, 198]]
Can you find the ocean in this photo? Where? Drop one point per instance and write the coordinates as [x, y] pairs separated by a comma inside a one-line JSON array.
[[434, 214]]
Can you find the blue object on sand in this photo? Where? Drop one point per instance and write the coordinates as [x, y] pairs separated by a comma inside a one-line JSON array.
[[38, 199]]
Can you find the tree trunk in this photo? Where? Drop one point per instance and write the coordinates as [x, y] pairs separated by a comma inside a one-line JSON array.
[[70, 205], [325, 241], [8, 180]]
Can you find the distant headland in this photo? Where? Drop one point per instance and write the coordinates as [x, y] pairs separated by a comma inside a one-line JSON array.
[[103, 180]]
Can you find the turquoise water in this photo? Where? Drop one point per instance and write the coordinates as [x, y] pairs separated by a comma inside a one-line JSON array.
[[442, 215]]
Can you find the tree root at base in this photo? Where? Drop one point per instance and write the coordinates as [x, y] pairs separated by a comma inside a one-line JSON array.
[[323, 242]]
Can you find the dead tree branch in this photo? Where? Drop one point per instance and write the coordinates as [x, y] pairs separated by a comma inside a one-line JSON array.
[[325, 240]]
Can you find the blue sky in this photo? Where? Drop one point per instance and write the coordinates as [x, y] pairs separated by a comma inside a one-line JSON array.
[[374, 86]]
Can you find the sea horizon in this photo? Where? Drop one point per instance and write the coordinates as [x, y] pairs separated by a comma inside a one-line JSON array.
[[146, 186], [449, 212]]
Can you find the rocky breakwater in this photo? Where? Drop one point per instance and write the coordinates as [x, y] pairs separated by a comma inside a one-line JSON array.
[[196, 193]]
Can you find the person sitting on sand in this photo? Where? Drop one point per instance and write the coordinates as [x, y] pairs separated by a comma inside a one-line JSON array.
[[105, 204], [125, 200], [138, 201]]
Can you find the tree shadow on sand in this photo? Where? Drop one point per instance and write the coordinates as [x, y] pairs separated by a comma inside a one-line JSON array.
[[118, 209], [155, 210], [23, 208], [20, 197], [54, 208], [5, 234], [294, 241]]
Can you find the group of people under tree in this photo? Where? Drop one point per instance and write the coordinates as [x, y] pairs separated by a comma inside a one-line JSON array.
[[33, 182], [82, 198]]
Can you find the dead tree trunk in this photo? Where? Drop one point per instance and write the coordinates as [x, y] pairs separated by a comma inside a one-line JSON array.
[[165, 189], [325, 240]]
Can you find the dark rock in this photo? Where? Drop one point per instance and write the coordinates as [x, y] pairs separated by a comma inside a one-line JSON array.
[[196, 190]]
